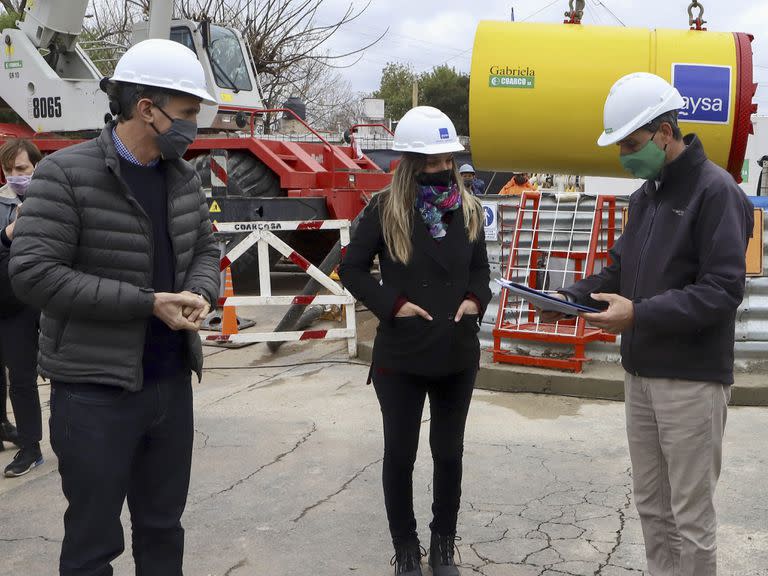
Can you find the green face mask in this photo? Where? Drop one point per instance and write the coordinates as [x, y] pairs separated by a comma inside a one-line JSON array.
[[646, 163]]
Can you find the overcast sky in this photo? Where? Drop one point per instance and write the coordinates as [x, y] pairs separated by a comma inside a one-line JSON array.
[[428, 33]]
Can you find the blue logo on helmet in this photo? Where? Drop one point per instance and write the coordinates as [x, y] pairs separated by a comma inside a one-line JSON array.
[[444, 135]]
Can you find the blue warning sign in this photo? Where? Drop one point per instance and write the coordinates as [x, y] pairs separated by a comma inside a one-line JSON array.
[[491, 221], [490, 217]]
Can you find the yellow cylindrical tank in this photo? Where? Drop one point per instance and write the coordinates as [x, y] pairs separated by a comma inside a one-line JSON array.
[[537, 92]]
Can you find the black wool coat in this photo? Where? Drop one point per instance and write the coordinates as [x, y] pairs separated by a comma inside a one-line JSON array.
[[439, 276]]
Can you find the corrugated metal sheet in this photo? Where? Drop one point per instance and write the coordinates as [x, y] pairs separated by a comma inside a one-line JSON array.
[[752, 319]]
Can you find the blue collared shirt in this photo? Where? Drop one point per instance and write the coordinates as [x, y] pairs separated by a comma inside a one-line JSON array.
[[126, 154]]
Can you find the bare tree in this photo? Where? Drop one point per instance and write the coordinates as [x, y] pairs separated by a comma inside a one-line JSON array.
[[10, 6], [287, 44], [326, 93]]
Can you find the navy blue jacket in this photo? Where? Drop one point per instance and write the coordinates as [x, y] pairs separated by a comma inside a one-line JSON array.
[[681, 260]]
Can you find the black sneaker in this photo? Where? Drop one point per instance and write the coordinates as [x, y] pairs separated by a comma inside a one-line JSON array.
[[407, 560], [25, 459], [441, 550], [8, 433]]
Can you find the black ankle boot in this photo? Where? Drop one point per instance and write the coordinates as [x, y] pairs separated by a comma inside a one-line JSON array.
[[441, 550], [407, 560], [8, 433]]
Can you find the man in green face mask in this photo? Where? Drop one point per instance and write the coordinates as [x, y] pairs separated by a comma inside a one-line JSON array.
[[672, 290], [644, 156]]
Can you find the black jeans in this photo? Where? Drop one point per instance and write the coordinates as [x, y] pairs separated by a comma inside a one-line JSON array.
[[3, 392], [18, 349], [114, 444], [401, 397]]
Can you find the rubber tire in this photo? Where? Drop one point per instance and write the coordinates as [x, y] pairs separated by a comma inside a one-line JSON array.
[[249, 177]]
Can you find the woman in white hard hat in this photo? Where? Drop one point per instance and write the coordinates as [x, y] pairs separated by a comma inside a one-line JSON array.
[[427, 231]]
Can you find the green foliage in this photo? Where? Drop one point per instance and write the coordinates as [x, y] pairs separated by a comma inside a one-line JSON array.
[[8, 20], [396, 89], [448, 90], [103, 55], [442, 87]]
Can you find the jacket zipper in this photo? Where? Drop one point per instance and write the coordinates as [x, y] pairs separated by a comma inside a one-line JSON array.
[[171, 236], [142, 214], [656, 206]]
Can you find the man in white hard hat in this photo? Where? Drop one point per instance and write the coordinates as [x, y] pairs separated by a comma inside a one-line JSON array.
[[115, 248], [474, 184], [672, 290]]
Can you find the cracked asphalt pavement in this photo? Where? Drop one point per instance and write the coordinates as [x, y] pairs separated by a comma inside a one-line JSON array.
[[287, 468]]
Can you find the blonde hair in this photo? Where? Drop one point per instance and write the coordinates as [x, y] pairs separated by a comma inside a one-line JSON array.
[[399, 199]]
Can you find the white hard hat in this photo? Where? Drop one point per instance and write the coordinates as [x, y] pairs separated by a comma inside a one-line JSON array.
[[466, 169], [163, 64], [633, 102], [426, 130]]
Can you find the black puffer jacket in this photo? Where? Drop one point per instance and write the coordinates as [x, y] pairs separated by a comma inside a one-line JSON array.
[[82, 253]]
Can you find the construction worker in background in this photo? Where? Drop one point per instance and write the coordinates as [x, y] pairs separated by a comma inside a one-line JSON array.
[[18, 322], [763, 163], [518, 184], [427, 231], [115, 247], [471, 181], [676, 278]]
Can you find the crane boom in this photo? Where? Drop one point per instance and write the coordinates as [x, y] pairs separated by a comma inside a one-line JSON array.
[[160, 14], [52, 83], [51, 23]]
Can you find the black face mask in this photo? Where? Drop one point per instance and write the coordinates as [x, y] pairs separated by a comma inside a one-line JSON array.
[[175, 141], [443, 178]]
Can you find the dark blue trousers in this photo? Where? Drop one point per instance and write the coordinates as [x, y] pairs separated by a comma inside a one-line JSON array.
[[113, 444]]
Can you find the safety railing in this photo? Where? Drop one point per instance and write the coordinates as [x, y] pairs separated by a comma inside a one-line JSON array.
[[551, 249]]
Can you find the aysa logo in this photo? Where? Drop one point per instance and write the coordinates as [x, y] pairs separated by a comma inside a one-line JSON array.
[[444, 135], [706, 91]]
